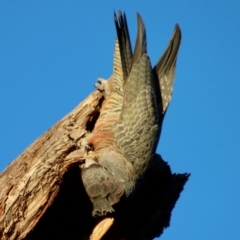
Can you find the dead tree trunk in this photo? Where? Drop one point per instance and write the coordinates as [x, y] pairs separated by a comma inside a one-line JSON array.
[[42, 196]]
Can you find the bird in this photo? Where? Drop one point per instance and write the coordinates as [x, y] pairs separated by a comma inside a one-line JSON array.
[[127, 131]]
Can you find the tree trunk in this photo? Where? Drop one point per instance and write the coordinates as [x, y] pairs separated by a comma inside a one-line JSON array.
[[42, 196]]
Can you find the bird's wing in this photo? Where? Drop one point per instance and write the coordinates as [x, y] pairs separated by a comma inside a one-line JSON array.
[[137, 129]]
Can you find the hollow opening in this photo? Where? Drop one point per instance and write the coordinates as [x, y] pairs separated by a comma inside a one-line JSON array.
[[92, 121], [69, 216], [93, 117]]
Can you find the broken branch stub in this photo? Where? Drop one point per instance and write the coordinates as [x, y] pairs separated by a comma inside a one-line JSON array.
[[31, 182]]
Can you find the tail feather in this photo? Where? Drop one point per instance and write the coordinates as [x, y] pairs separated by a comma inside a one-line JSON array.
[[165, 68], [141, 40], [124, 42]]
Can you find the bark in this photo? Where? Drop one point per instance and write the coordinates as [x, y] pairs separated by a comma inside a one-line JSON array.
[[42, 196]]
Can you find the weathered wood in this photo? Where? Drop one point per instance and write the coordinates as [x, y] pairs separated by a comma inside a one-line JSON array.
[[31, 182], [101, 229], [42, 196]]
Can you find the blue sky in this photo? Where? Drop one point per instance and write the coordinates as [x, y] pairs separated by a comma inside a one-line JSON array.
[[52, 52]]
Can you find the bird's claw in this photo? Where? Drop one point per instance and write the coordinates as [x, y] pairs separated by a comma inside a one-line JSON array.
[[102, 86]]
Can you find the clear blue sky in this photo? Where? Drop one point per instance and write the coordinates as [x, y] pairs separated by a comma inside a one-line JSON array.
[[51, 53]]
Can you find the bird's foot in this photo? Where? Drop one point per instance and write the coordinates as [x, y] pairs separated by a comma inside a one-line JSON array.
[[86, 145], [102, 86]]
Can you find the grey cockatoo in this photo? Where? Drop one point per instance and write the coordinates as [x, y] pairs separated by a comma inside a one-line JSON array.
[[127, 131]]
